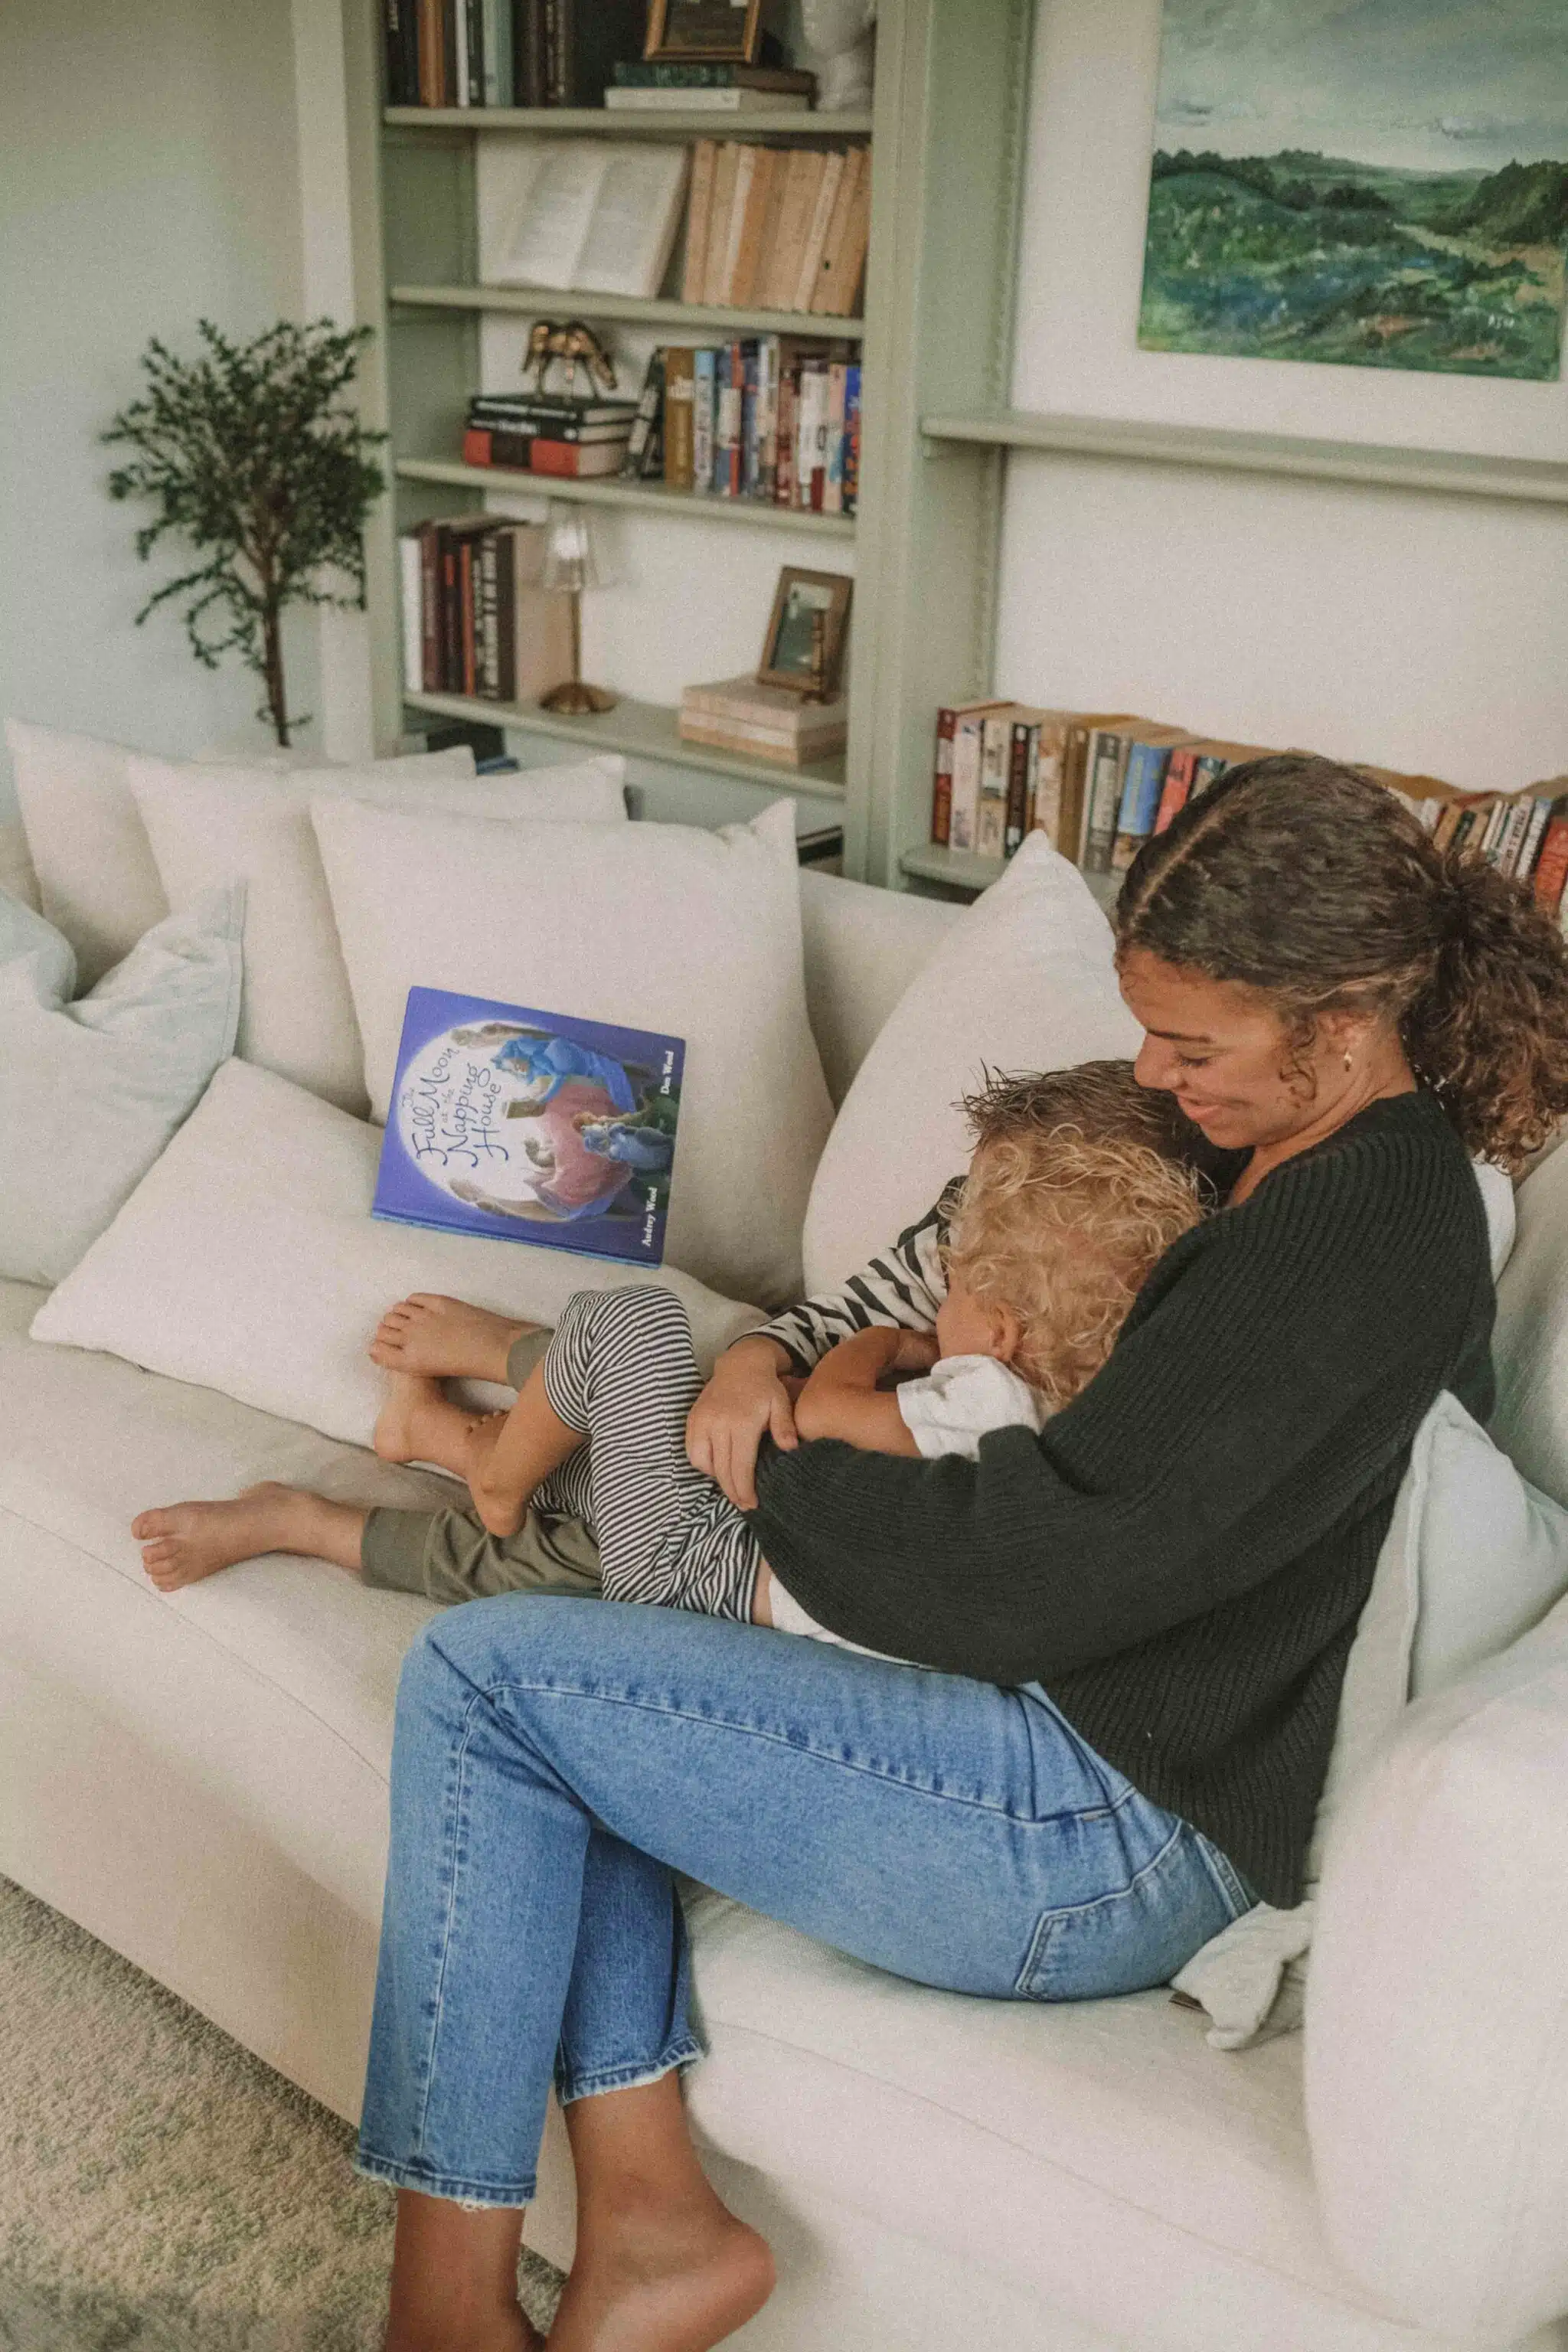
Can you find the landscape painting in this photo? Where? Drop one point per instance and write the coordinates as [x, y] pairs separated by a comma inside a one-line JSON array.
[[1373, 183]]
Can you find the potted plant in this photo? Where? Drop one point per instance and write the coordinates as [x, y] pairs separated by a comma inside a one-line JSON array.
[[253, 453]]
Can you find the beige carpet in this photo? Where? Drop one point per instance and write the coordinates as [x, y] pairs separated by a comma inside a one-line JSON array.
[[160, 2191]]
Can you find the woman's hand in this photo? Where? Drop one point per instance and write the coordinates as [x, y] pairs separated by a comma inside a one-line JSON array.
[[745, 1399]]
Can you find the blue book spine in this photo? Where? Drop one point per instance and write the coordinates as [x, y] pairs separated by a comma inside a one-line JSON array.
[[851, 438], [1146, 765]]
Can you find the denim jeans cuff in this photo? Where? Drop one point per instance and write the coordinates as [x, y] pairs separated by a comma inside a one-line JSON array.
[[511, 2195], [571, 2085]]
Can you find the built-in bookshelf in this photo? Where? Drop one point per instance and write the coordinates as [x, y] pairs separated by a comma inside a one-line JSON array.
[[933, 330]]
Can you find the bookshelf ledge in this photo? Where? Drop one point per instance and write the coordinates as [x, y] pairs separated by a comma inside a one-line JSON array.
[[537, 300], [961, 869], [613, 122], [1257, 452], [701, 507], [643, 730]]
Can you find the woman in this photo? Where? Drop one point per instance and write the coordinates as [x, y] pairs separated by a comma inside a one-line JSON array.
[[1142, 1616]]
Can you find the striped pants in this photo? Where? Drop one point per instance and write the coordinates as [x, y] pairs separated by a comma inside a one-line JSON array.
[[621, 1368]]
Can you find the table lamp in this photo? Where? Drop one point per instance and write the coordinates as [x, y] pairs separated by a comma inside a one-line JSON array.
[[569, 568]]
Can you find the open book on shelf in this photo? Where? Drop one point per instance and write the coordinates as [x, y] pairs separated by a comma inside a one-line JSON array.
[[598, 215]]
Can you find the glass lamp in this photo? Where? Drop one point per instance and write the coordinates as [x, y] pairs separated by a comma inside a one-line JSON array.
[[570, 566]]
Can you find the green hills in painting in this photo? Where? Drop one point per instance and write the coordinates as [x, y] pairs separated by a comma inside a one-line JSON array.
[[1300, 256]]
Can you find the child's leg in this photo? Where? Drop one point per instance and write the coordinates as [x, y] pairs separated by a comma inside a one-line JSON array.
[[621, 1371], [190, 1540]]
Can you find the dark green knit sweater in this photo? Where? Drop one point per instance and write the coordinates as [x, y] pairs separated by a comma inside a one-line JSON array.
[[1180, 1556]]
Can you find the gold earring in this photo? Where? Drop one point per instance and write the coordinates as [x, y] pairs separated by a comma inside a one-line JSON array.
[[1347, 1061]]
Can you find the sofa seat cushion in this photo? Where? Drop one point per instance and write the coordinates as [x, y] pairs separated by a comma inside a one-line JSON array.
[[1100, 2153]]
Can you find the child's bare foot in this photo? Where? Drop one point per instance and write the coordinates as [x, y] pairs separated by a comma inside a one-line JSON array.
[[190, 1540], [664, 2284], [444, 1338], [419, 1424]]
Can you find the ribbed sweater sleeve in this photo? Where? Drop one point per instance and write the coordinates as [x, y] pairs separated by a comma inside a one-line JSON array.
[[1272, 1373]]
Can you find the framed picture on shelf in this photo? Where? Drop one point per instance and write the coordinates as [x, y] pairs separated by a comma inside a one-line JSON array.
[[728, 29], [803, 648]]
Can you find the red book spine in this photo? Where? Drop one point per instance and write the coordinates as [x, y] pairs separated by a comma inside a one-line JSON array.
[[1552, 865], [477, 446], [555, 457], [1178, 784], [466, 613], [451, 619], [941, 782]]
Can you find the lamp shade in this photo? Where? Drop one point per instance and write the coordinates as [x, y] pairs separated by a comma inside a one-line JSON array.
[[570, 564]]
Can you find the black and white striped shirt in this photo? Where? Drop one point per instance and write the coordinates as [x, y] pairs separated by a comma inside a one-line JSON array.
[[903, 1286]]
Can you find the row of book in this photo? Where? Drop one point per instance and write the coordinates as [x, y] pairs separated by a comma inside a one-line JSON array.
[[770, 419], [776, 228], [507, 52], [1099, 783], [476, 620]]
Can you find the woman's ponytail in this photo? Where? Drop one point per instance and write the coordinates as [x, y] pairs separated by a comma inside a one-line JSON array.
[[1316, 887], [1488, 1029]]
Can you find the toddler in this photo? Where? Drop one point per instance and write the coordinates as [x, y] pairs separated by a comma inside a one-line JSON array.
[[1075, 1189]]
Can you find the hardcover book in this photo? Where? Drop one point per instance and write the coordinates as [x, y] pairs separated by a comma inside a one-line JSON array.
[[531, 1127]]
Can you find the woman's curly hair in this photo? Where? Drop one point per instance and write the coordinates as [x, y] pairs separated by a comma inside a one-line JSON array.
[[1317, 887], [1073, 1196]]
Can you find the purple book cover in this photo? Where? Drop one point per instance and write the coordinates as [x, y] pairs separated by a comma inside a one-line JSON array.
[[531, 1127]]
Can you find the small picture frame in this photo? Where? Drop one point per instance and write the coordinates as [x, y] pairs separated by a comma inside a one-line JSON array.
[[730, 30], [804, 649]]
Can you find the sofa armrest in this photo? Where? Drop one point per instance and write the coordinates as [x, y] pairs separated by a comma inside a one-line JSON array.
[[1436, 2051]]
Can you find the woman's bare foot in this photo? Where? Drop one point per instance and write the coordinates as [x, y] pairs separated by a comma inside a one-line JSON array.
[[664, 2281], [190, 1540], [444, 1338]]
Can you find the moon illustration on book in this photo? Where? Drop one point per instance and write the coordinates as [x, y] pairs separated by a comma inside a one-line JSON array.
[[522, 1122]]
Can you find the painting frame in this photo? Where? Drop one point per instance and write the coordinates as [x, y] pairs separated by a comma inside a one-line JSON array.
[[699, 31], [786, 660]]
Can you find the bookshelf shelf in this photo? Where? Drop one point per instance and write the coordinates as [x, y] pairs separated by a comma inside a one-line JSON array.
[[653, 313], [644, 730], [1256, 452], [960, 869], [687, 122], [610, 493]]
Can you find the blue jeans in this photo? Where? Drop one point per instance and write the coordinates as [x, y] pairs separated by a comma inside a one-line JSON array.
[[557, 1758]]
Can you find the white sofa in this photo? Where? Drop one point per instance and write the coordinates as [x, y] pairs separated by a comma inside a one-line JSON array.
[[201, 1781]]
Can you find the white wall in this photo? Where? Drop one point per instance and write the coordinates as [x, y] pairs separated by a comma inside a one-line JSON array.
[[148, 177], [1415, 630]]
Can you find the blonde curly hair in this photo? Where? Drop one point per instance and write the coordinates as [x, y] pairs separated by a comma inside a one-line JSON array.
[[1073, 1196]]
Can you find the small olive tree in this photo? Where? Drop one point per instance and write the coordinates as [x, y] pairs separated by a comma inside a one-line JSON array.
[[253, 453]]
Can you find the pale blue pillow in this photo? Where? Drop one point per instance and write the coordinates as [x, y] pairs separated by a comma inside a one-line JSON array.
[[90, 1092]]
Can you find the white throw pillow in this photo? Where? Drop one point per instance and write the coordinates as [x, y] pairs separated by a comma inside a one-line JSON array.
[[656, 927], [1474, 1556], [1024, 981], [91, 1091], [247, 1261], [1530, 1348], [210, 822], [98, 879]]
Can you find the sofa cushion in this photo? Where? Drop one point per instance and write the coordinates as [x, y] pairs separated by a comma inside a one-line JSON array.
[[663, 927], [216, 823], [91, 1090], [98, 879], [1530, 1347], [1023, 981], [247, 1261], [1438, 2032]]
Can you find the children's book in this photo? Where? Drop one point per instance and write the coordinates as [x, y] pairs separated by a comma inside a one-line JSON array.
[[531, 1127]]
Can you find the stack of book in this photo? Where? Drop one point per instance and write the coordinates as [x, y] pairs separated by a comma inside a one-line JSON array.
[[548, 433], [774, 418], [1099, 784], [770, 723], [475, 619], [672, 86], [776, 228], [506, 52]]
